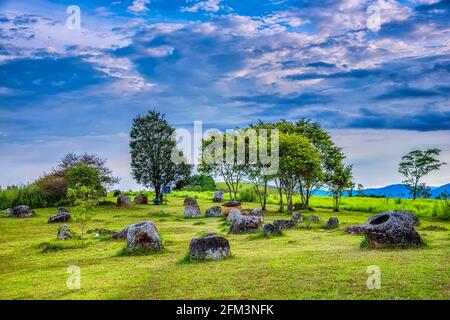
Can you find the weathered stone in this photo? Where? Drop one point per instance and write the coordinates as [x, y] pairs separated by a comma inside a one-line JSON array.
[[314, 218], [124, 201], [246, 224], [121, 235], [211, 247], [271, 229], [141, 199], [8, 212], [406, 216], [333, 223], [390, 229], [63, 215], [300, 206], [227, 207], [284, 224], [144, 236], [22, 212], [257, 212], [219, 196], [192, 211], [234, 214], [358, 229], [215, 211], [297, 217], [190, 202], [63, 233]]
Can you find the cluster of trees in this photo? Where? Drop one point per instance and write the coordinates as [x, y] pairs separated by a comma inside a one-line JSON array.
[[76, 169], [307, 160]]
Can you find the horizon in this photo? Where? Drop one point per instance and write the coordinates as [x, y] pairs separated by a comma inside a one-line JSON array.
[[380, 92]]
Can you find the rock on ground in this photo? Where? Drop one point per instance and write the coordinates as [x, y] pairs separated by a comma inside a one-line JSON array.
[[314, 218], [246, 224], [141, 199], [284, 224], [234, 214], [333, 223], [218, 196], [258, 212], [22, 211], [124, 201], [8, 212], [190, 202], [121, 235], [297, 217], [144, 236], [271, 229], [192, 211], [63, 215], [227, 207], [63, 233], [390, 229], [211, 247], [215, 211], [358, 229]]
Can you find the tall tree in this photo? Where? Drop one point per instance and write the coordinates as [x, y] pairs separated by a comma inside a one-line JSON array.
[[321, 141], [417, 164], [151, 148], [298, 158], [338, 176], [219, 158]]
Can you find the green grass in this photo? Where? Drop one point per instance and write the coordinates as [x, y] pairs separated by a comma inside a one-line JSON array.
[[302, 264]]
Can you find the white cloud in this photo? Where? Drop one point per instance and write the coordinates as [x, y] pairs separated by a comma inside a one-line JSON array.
[[207, 5], [139, 6]]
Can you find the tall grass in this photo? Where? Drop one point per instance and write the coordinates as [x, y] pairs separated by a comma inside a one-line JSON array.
[[29, 195]]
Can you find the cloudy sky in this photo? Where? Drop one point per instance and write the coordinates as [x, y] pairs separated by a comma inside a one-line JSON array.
[[381, 89]]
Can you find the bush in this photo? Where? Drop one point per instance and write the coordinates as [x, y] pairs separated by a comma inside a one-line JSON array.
[[248, 195], [200, 183], [29, 195], [117, 193], [53, 186]]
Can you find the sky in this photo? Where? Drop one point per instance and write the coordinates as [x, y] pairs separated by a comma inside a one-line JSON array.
[[381, 87]]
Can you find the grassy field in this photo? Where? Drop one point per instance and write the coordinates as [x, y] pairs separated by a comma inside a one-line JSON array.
[[302, 264]]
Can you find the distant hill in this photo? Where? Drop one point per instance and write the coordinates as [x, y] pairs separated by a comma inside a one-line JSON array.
[[391, 191]]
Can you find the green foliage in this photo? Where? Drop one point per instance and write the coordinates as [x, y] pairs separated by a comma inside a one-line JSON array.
[[84, 200], [200, 183], [247, 195], [417, 164], [29, 195], [152, 150], [83, 175], [92, 160], [53, 186]]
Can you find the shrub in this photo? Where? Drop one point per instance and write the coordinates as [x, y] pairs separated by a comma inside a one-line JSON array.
[[53, 186], [200, 183], [29, 195]]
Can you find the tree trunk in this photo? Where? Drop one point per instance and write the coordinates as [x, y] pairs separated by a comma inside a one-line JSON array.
[[265, 197]]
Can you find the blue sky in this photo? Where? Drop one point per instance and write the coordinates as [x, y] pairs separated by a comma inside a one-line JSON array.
[[227, 63]]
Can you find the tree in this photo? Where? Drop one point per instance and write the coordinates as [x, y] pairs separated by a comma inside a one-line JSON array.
[[298, 160], [360, 190], [321, 141], [84, 200], [220, 158], [417, 164], [151, 148], [338, 177], [83, 175], [98, 163], [203, 182]]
